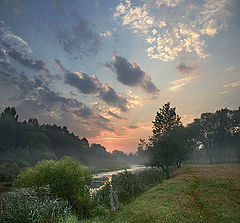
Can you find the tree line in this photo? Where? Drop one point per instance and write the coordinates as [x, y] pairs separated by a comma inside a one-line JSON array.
[[24, 143], [212, 138]]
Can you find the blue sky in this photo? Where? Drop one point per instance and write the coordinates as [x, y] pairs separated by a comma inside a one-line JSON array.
[[103, 68]]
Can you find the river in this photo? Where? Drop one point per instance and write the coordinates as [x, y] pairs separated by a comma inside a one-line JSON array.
[[100, 178]]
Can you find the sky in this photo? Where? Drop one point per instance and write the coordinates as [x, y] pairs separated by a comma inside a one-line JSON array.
[[103, 68]]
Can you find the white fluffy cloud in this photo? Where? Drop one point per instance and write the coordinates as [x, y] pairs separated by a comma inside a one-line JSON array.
[[173, 26]]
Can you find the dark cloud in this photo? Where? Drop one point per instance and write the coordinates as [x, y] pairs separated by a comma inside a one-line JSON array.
[[103, 123], [84, 112], [130, 73], [109, 95], [89, 84], [15, 47], [83, 82], [80, 41], [133, 127], [26, 85], [114, 115], [27, 62], [39, 101], [148, 86], [23, 86], [185, 69], [127, 73]]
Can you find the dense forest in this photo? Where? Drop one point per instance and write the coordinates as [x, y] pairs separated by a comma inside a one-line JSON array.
[[212, 138], [23, 144], [217, 136]]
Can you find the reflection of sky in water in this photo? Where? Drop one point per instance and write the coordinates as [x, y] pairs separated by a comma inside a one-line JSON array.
[[100, 178], [108, 174]]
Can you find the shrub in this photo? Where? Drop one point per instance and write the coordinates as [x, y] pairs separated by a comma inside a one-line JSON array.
[[27, 206], [66, 178], [129, 185]]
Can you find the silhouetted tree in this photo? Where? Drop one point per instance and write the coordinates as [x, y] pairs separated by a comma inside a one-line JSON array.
[[169, 141], [219, 134], [9, 113]]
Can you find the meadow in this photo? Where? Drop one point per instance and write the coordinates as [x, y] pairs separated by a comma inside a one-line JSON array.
[[196, 193]]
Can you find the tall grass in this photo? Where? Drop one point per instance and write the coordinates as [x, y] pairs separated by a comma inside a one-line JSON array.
[[33, 206], [128, 185]]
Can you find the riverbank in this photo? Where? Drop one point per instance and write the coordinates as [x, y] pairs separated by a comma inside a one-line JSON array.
[[96, 170], [196, 193]]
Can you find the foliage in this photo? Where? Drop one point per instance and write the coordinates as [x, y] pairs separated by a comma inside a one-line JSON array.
[[27, 206], [169, 142], [198, 194], [128, 185], [165, 121], [25, 143], [219, 135], [66, 178]]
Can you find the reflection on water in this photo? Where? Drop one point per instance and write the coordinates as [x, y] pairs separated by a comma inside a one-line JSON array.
[[100, 178]]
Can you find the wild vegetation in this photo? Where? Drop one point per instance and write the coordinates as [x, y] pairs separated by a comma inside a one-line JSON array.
[[128, 186], [23, 144], [49, 177], [30, 205], [206, 193], [66, 179]]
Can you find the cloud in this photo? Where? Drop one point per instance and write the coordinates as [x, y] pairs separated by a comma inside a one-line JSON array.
[[174, 26], [89, 84], [22, 85], [30, 63], [184, 69], [84, 112], [114, 115], [34, 98], [51, 107], [130, 73], [15, 47], [10, 41], [136, 18], [4, 59], [233, 84], [83, 82], [110, 97], [179, 84], [80, 40], [225, 92], [133, 127], [106, 34]]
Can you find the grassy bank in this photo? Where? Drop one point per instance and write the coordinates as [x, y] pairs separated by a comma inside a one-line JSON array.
[[196, 193]]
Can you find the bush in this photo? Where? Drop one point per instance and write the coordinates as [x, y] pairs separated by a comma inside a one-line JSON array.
[[27, 206], [66, 178], [129, 185]]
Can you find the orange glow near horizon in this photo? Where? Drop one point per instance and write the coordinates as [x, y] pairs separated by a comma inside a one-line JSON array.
[[127, 141]]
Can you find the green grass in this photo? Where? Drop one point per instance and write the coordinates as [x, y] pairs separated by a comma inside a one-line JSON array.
[[206, 193]]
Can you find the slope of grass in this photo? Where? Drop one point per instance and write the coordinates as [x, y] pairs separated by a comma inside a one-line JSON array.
[[196, 193]]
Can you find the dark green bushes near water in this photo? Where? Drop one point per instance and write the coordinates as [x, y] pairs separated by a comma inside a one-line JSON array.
[[129, 185], [66, 179]]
